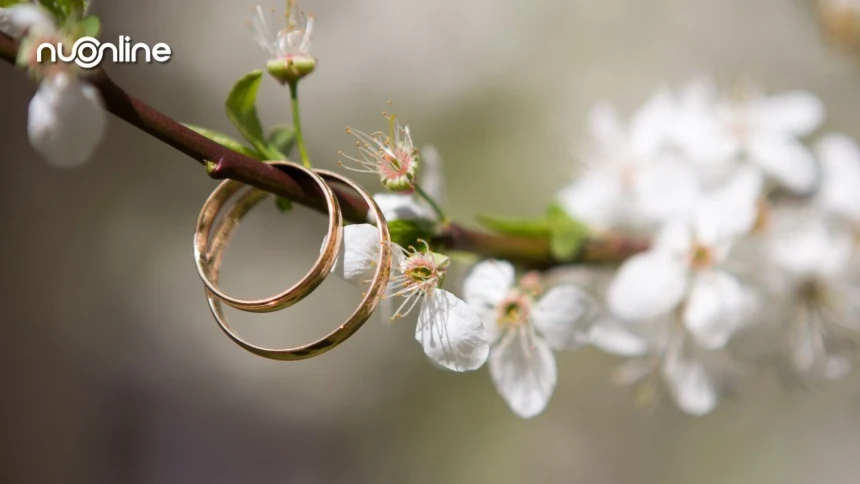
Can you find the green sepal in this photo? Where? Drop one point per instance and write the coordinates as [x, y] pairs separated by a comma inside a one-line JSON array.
[[406, 233], [566, 234], [225, 141], [241, 106], [282, 138], [283, 204]]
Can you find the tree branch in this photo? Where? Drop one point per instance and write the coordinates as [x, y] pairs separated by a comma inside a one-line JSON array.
[[226, 163]]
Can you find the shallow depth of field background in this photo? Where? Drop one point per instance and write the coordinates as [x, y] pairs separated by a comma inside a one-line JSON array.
[[114, 371]]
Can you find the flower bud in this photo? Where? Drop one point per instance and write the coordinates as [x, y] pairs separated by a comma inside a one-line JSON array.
[[287, 70]]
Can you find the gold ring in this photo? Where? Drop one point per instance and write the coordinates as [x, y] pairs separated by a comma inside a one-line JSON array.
[[321, 269], [362, 313]]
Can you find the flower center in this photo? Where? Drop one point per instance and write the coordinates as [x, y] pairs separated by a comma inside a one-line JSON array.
[[513, 310], [421, 271], [815, 292], [701, 257], [398, 165]]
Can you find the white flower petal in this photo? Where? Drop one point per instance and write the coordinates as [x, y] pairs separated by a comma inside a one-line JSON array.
[[433, 174], [804, 245], [66, 121], [666, 190], [688, 382], [524, 371], [359, 254], [563, 315], [17, 20], [840, 184], [400, 207], [488, 283], [451, 333], [485, 287], [797, 113], [785, 159], [674, 239], [698, 131], [730, 211], [612, 337], [717, 307], [647, 285], [595, 199], [650, 124]]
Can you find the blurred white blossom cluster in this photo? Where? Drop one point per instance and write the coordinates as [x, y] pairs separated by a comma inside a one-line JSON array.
[[66, 120], [753, 233]]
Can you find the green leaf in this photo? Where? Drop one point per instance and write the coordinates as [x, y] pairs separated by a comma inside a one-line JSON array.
[[407, 232], [242, 110], [89, 26], [64, 10], [283, 204], [566, 234], [9, 3], [282, 138], [225, 141], [519, 227]]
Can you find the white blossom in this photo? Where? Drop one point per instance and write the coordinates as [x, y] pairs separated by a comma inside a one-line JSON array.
[[685, 264], [630, 178], [392, 156], [66, 120], [399, 206], [524, 329], [18, 20], [450, 332], [662, 349], [757, 129], [289, 43], [822, 304]]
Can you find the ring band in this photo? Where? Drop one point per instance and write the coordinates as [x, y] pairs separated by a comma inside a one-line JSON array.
[[321, 269], [362, 313]]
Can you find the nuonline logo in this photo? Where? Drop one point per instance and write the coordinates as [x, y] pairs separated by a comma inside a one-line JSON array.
[[88, 52]]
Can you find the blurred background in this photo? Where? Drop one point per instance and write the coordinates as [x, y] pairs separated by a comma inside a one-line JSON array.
[[114, 371]]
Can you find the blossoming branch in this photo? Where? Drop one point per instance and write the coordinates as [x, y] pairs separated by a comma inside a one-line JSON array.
[[681, 198]]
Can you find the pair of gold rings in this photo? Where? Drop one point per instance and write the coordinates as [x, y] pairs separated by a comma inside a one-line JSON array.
[[210, 241]]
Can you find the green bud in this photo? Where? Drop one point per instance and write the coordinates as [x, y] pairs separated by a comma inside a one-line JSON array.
[[290, 69]]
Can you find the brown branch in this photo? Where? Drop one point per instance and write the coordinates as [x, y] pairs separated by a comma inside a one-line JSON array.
[[530, 252]]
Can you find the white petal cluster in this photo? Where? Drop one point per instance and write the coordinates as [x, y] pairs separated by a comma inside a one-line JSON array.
[[66, 119], [290, 42], [751, 231]]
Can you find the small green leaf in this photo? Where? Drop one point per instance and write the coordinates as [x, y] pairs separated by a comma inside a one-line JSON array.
[[226, 141], [566, 234], [283, 204], [519, 227], [282, 138], [242, 110], [407, 232], [64, 10], [89, 26]]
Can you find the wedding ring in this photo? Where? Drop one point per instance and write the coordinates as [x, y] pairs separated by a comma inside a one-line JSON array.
[[375, 291], [321, 269]]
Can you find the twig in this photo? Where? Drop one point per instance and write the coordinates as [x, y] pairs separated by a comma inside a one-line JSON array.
[[224, 163]]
